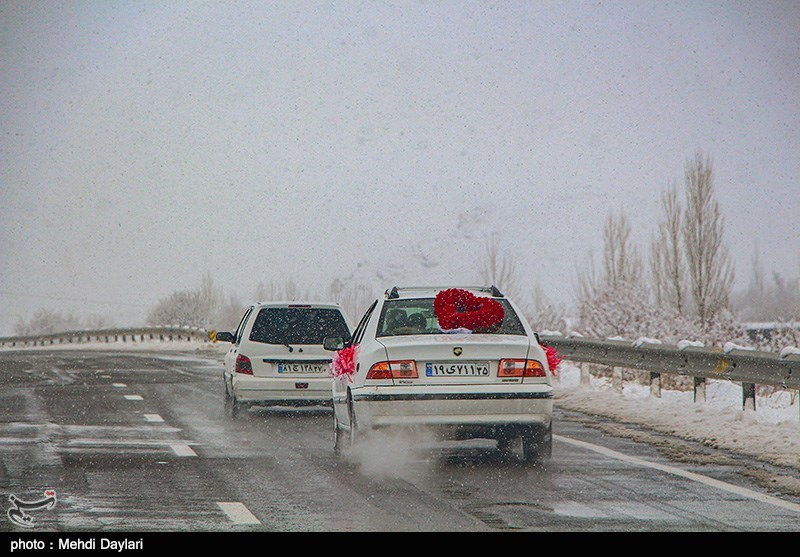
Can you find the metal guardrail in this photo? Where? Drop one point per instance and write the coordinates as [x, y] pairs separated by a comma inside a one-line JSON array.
[[747, 366], [734, 363], [139, 334]]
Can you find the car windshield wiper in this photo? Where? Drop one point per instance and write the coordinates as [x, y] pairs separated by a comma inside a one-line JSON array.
[[289, 346]]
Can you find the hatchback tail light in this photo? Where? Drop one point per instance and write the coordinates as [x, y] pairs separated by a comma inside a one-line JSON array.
[[521, 368], [395, 369], [243, 365]]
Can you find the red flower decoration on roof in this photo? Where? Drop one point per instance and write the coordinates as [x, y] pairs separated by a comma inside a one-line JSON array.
[[456, 308]]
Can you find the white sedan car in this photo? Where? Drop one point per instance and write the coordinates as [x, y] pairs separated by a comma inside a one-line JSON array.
[[413, 367], [276, 355]]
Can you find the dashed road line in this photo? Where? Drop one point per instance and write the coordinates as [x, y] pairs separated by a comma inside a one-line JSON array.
[[238, 513], [119, 385], [182, 450], [133, 397], [155, 418], [725, 486]]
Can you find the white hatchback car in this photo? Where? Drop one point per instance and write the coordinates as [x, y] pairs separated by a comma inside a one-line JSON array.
[[276, 355], [409, 371]]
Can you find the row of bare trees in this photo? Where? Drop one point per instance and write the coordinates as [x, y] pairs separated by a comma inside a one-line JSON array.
[[684, 291], [208, 307], [687, 292]]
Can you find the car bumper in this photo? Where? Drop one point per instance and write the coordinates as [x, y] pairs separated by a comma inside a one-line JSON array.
[[377, 407], [294, 390]]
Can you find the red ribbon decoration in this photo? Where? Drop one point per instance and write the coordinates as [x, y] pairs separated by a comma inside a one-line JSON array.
[[553, 359], [344, 362]]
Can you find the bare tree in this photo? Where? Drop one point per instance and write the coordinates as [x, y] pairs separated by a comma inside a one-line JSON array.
[[354, 298], [611, 304], [46, 321], [709, 266], [288, 290], [587, 280], [195, 308], [498, 268], [621, 261], [666, 256], [546, 315]]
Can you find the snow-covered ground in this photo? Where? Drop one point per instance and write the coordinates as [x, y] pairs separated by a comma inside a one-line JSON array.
[[769, 434]]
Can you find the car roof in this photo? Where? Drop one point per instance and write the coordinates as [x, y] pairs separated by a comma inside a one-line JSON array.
[[398, 292], [296, 304]]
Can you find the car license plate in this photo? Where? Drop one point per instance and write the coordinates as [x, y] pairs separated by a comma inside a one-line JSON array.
[[457, 369], [291, 367]]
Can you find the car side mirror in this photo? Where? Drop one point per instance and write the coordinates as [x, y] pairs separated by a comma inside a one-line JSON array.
[[225, 337], [333, 343]]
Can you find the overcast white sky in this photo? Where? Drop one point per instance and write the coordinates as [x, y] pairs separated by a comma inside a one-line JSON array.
[[146, 143]]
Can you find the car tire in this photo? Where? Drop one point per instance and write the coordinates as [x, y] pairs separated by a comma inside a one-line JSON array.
[[355, 436], [232, 406], [505, 443], [537, 444], [338, 437]]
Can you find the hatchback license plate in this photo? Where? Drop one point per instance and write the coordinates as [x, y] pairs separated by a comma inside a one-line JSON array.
[[288, 367], [457, 369]]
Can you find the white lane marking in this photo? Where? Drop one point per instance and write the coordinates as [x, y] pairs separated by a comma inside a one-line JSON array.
[[155, 418], [119, 385], [133, 397], [238, 513], [725, 486], [143, 443], [182, 450]]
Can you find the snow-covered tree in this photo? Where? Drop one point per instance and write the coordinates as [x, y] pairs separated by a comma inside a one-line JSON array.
[[286, 290], [667, 264], [612, 303], [195, 308], [622, 264], [354, 297], [500, 269], [710, 269], [46, 321], [543, 314]]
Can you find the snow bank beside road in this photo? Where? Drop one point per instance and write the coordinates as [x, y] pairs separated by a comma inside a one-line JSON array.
[[770, 434]]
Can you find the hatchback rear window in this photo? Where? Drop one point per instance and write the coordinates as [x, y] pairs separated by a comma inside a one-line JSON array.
[[416, 317], [298, 325]]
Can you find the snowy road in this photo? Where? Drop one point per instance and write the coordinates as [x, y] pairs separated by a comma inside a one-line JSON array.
[[141, 442]]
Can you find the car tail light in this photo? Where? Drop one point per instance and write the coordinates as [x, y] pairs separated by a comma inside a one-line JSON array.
[[395, 369], [521, 368], [534, 368], [243, 365]]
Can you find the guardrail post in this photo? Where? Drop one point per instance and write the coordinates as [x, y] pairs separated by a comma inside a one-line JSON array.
[[699, 389], [616, 379], [748, 396], [586, 377], [655, 384]]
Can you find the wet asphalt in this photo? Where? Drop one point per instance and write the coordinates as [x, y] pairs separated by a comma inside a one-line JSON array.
[[139, 441]]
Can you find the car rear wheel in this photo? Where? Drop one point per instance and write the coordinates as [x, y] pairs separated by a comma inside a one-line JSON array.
[[505, 443], [232, 406], [355, 435], [338, 437], [537, 444]]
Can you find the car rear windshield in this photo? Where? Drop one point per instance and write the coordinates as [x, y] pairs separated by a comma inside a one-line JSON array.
[[298, 325], [415, 316]]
